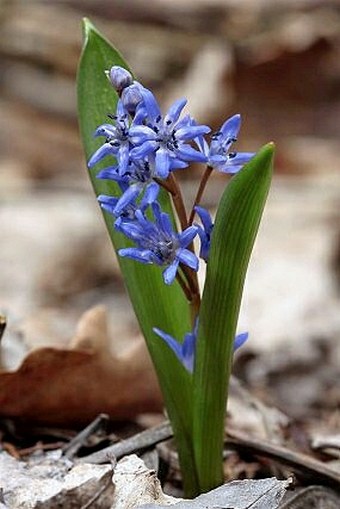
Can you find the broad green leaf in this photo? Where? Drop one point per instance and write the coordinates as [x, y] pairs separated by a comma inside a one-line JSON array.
[[155, 304], [236, 226]]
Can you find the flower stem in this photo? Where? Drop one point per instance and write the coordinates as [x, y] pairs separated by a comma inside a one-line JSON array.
[[192, 290], [184, 286], [172, 187], [200, 191], [195, 304], [193, 294]]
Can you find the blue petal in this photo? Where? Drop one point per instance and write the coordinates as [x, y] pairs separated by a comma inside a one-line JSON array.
[[240, 339], [231, 127], [150, 195], [165, 224], [131, 229], [186, 120], [171, 342], [140, 255], [143, 150], [107, 130], [191, 132], [104, 150], [188, 258], [107, 203], [169, 274], [157, 212], [123, 158], [205, 244], [216, 160], [177, 164], [127, 198], [187, 153], [162, 163], [140, 115], [109, 173], [121, 111], [235, 162], [202, 145], [174, 111], [123, 184], [144, 224], [187, 236], [141, 133], [205, 218], [150, 103], [184, 352], [188, 350]]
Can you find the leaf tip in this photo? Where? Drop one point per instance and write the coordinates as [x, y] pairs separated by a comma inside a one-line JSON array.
[[88, 27], [266, 155], [269, 148]]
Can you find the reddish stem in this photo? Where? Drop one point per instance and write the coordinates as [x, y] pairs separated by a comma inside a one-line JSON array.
[[200, 192]]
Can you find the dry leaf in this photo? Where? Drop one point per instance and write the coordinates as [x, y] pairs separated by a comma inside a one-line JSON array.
[[135, 485], [72, 386], [53, 481], [250, 493]]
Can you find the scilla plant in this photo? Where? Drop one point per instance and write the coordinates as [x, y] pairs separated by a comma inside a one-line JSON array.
[[134, 151]]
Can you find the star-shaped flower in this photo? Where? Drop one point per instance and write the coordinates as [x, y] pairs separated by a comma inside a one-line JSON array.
[[137, 181], [167, 136], [218, 153], [119, 141], [158, 243]]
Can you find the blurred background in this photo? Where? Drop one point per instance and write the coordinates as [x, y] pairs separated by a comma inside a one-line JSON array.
[[275, 62]]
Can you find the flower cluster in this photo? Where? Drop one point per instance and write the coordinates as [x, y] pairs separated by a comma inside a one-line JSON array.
[[143, 147]]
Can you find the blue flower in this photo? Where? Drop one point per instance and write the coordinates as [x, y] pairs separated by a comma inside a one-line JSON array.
[[205, 232], [218, 153], [158, 243], [118, 141], [167, 136], [136, 182], [110, 204], [185, 351], [139, 182]]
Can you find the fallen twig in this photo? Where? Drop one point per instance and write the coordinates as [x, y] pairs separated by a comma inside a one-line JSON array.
[[143, 440], [71, 449], [38, 447], [306, 464], [301, 462]]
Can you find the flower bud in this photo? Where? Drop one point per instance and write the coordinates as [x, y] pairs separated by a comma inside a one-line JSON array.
[[131, 97], [119, 78]]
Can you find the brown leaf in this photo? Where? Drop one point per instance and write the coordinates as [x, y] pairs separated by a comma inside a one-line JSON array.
[[71, 386]]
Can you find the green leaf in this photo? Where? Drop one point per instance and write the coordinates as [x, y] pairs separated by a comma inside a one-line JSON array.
[[155, 304], [233, 237]]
